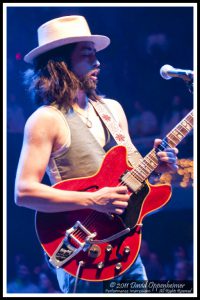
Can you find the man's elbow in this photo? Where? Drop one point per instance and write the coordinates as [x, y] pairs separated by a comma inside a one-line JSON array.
[[18, 197], [21, 193]]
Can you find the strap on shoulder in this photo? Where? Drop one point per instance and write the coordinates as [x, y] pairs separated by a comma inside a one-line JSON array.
[[121, 137]]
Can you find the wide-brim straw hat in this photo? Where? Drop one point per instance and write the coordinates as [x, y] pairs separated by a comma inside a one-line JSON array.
[[62, 31]]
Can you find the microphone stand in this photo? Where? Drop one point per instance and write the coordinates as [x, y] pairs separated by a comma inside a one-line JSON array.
[[188, 79], [189, 85]]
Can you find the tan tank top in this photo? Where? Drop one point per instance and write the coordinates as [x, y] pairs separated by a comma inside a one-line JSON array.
[[84, 155]]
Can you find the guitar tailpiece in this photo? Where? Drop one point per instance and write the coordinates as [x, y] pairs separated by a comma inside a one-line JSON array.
[[67, 249]]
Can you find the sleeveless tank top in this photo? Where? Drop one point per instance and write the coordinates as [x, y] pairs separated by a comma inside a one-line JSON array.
[[84, 155]]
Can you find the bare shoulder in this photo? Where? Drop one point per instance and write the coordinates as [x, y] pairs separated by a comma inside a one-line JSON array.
[[40, 122], [114, 105]]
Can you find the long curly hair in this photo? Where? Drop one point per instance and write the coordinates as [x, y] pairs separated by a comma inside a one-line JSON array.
[[51, 81]]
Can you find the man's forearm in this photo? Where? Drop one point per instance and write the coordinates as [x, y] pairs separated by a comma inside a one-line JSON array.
[[44, 198]]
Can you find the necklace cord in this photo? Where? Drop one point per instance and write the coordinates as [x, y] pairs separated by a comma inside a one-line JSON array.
[[88, 121]]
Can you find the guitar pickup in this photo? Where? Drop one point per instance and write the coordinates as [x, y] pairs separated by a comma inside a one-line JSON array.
[[71, 245]]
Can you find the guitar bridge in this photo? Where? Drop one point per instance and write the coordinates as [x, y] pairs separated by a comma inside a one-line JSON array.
[[71, 244]]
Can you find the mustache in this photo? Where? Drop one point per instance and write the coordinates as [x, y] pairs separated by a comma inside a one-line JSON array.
[[86, 83], [94, 72]]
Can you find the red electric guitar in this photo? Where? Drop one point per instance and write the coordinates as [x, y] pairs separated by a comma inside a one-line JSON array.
[[97, 246]]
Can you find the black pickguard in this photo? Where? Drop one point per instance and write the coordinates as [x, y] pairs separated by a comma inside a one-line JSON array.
[[131, 214]]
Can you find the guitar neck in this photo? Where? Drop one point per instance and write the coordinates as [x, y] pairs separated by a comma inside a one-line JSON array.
[[150, 162], [176, 135]]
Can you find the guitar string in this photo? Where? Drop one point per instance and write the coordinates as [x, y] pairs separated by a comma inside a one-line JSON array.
[[90, 218], [164, 144], [88, 221]]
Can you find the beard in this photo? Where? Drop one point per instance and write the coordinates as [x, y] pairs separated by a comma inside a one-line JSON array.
[[88, 85]]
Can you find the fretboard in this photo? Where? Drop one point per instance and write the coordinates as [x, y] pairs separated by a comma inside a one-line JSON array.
[[149, 163]]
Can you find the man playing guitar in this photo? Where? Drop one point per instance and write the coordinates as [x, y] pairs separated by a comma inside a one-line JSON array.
[[66, 137]]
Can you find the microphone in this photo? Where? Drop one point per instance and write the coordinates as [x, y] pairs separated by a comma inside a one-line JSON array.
[[167, 72]]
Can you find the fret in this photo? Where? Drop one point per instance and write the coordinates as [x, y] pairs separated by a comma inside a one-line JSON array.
[[143, 171], [171, 142], [152, 167], [137, 174], [142, 177], [191, 125], [186, 121], [153, 157], [144, 167], [150, 162], [182, 129], [188, 125], [172, 139], [153, 164], [190, 118], [178, 134], [185, 127]]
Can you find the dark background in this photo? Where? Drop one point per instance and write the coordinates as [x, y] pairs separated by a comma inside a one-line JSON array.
[[129, 71]]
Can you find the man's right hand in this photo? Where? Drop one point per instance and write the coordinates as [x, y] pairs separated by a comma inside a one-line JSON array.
[[111, 199]]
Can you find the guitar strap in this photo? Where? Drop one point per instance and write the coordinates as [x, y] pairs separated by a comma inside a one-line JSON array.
[[118, 134]]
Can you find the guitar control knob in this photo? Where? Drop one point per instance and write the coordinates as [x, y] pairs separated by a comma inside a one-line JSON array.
[[118, 266], [100, 265], [109, 248], [94, 251], [127, 250]]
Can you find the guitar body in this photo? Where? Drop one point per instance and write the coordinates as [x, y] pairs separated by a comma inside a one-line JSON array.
[[107, 259]]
